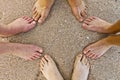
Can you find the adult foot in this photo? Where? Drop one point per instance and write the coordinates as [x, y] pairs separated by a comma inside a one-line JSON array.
[[41, 10], [49, 69], [81, 68], [28, 52], [79, 9], [96, 24], [97, 49], [20, 25]]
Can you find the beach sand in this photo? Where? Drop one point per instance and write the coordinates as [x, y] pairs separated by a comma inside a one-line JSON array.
[[62, 37]]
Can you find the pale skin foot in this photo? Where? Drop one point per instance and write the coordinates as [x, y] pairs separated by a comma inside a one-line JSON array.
[[97, 49], [41, 10], [49, 69], [96, 24], [25, 51], [81, 68], [79, 9], [20, 25]]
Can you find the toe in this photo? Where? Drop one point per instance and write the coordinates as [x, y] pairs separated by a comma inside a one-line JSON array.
[[44, 60], [35, 15], [77, 15], [86, 50], [41, 64], [88, 54], [35, 57], [48, 58], [87, 22], [84, 60], [44, 15], [37, 54], [91, 55], [78, 57], [94, 57], [32, 58], [84, 15], [29, 26], [84, 25], [30, 20], [39, 49], [34, 8], [92, 18]]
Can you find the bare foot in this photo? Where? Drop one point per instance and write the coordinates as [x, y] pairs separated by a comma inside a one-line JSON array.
[[41, 10], [97, 49], [79, 9], [81, 68], [96, 24], [23, 24], [49, 69], [28, 52]]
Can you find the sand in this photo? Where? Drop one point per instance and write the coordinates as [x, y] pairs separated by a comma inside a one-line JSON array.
[[62, 37]]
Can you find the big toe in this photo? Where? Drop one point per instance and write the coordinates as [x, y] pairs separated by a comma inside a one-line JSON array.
[[29, 26], [43, 17]]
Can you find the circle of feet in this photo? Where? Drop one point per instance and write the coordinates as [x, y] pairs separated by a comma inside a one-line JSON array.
[[81, 66]]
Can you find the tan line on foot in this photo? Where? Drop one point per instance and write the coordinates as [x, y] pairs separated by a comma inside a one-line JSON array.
[[49, 69], [81, 68]]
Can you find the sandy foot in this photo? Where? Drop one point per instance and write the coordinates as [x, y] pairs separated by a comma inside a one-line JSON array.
[[25, 51], [41, 10], [49, 69], [81, 68], [96, 24], [97, 49], [20, 25], [79, 9]]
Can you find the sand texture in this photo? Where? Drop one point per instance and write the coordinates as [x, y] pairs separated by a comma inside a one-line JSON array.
[[62, 37]]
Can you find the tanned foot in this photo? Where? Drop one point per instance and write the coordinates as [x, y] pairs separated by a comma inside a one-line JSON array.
[[79, 9], [25, 51], [97, 49], [41, 10], [49, 69], [81, 68], [96, 24], [20, 25]]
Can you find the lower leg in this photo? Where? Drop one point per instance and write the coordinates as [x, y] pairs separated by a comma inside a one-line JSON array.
[[114, 40], [114, 28]]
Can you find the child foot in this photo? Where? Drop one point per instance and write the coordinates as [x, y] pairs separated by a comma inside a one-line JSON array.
[[79, 9], [81, 68], [41, 10], [96, 24], [49, 69]]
